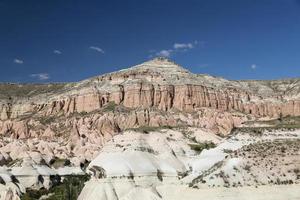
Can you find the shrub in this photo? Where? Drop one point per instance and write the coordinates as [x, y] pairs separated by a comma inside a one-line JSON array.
[[59, 162], [110, 106], [229, 151], [47, 120], [83, 113], [200, 146], [159, 175], [247, 167], [296, 171], [70, 188], [148, 129]]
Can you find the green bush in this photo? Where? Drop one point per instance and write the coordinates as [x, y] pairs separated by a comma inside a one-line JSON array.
[[47, 120], [148, 129], [110, 106], [69, 189], [229, 151], [200, 146], [59, 162], [83, 113], [34, 194]]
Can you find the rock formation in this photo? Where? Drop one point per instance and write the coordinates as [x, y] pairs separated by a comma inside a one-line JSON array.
[[70, 123], [142, 164], [158, 85]]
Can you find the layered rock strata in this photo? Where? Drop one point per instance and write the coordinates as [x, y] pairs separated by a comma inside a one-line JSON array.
[[162, 84]]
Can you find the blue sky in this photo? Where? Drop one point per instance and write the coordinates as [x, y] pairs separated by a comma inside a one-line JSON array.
[[70, 40]]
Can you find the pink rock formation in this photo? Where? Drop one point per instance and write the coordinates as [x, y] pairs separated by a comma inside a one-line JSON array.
[[154, 93]]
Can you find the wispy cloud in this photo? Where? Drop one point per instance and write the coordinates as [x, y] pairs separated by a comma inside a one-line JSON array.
[[164, 53], [183, 46], [97, 49], [57, 51], [18, 61], [41, 76], [253, 66], [177, 47]]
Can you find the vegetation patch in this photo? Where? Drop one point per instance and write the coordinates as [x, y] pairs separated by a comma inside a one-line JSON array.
[[229, 151], [47, 120], [68, 189], [148, 129], [13, 162], [110, 106], [59, 162], [83, 113], [200, 146], [286, 122], [9, 90]]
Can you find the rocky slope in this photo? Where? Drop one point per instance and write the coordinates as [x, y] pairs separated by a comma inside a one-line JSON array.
[[158, 83], [158, 88], [73, 122], [136, 165]]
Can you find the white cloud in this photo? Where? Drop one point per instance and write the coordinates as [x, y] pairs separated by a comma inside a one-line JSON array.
[[57, 51], [253, 66], [41, 76], [164, 53], [97, 49], [177, 47], [183, 46], [18, 61]]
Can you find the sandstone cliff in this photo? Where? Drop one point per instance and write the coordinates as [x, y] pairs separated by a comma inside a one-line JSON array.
[[157, 83], [155, 93]]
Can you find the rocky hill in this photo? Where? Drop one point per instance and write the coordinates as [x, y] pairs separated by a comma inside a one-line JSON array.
[[155, 88], [68, 124], [158, 83]]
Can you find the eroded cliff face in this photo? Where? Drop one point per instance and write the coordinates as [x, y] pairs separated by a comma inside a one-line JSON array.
[[75, 121], [156, 93]]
